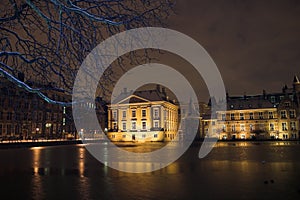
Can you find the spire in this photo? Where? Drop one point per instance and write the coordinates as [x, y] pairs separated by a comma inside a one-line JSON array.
[[296, 79]]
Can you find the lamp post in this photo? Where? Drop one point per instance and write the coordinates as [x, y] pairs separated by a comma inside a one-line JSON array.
[[36, 132], [81, 134]]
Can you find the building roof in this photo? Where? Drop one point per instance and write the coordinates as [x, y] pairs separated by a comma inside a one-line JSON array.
[[142, 96], [248, 102]]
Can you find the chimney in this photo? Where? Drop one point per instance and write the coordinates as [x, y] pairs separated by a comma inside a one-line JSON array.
[[125, 90], [284, 89], [245, 96], [264, 94]]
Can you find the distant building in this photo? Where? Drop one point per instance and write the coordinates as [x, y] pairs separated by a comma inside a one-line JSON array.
[[190, 116], [26, 115], [143, 116], [265, 116], [90, 128]]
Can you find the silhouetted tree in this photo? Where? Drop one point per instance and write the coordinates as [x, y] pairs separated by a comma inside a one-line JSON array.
[[47, 40]]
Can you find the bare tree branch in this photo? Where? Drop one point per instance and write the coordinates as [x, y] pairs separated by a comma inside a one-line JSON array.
[[47, 40]]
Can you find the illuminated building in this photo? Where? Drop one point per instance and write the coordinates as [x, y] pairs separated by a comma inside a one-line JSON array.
[[143, 116], [24, 114], [266, 116]]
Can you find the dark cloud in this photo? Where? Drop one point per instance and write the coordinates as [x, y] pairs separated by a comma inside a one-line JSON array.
[[255, 44]]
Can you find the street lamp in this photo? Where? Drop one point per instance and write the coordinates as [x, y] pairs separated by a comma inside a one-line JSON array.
[[36, 132], [81, 134]]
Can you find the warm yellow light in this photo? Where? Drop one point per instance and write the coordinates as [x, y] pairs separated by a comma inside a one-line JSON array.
[[48, 125]]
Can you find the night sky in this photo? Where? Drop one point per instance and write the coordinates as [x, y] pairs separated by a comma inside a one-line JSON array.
[[255, 44]]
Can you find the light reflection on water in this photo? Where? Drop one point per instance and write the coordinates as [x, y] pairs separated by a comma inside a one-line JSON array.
[[232, 170]]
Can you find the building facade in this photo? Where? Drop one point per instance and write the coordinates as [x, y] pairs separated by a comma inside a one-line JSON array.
[[143, 116], [265, 116], [26, 115]]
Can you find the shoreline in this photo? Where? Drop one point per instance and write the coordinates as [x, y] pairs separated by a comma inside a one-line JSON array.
[[29, 144]]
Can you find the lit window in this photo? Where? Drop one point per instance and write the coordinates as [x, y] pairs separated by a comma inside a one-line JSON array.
[[271, 115], [292, 114], [260, 115], [272, 127], [223, 117], [114, 125], [233, 128], [124, 114], [124, 126], [251, 127], [156, 124], [143, 113], [232, 116], [293, 126], [114, 114], [283, 114], [224, 128], [165, 114], [284, 127], [133, 125], [251, 116], [133, 113], [241, 116], [155, 114], [144, 125], [242, 127]]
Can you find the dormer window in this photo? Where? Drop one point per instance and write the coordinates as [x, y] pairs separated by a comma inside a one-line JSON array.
[[273, 99]]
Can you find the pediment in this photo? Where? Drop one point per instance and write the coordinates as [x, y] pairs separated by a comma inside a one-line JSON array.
[[133, 99]]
